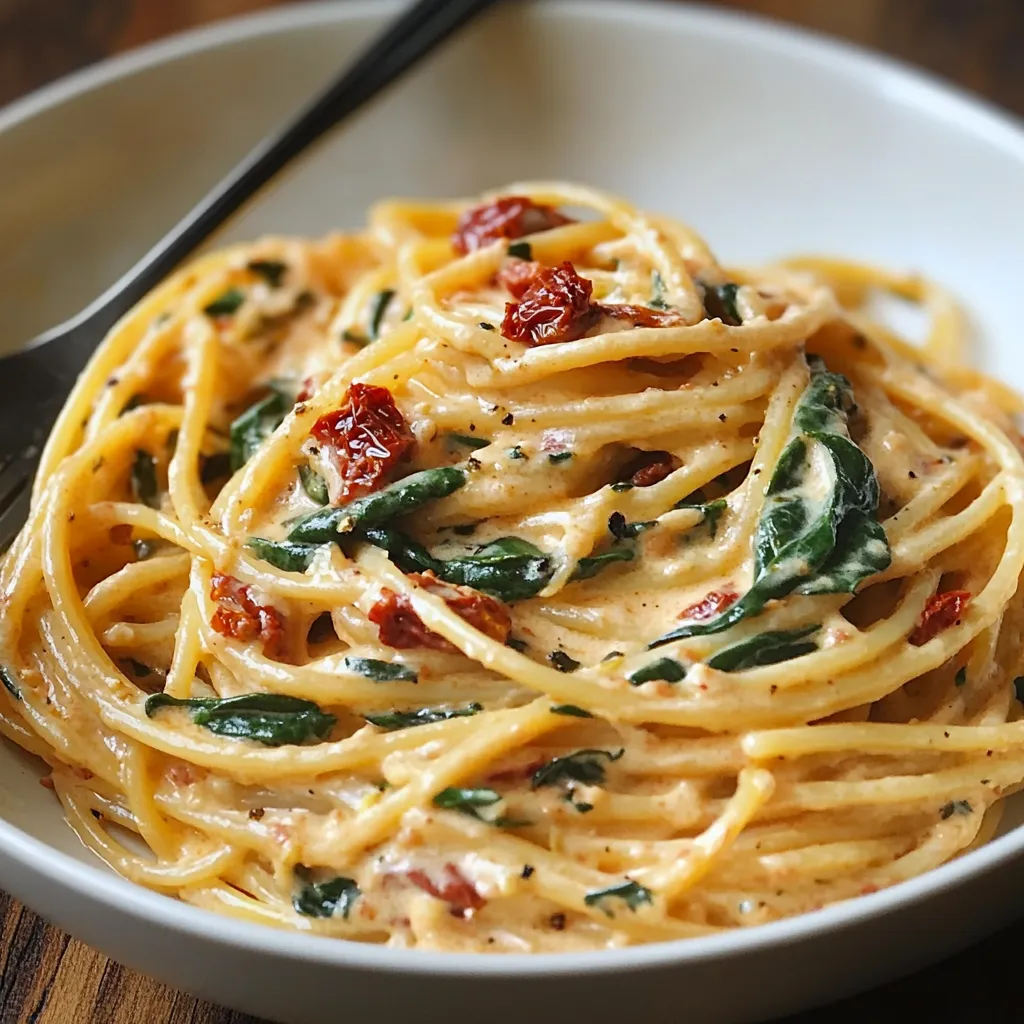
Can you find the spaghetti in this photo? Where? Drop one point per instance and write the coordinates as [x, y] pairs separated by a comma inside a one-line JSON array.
[[511, 576]]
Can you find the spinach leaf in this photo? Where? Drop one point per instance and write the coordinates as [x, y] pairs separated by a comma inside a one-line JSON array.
[[226, 303], [273, 719], [7, 680], [557, 457], [283, 554], [582, 766], [468, 801], [765, 649], [632, 893], [324, 899], [258, 422], [563, 662], [520, 250], [720, 303], [571, 710], [313, 484], [398, 499], [272, 271], [591, 565], [380, 304], [381, 671], [946, 811], [621, 530], [469, 441], [804, 544], [144, 479], [393, 720], [710, 510], [663, 668], [510, 569]]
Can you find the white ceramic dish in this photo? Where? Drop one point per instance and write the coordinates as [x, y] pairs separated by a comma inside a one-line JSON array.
[[768, 140]]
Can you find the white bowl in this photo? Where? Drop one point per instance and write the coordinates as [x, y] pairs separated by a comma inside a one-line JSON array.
[[768, 140]]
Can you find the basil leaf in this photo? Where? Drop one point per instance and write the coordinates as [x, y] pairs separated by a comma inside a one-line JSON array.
[[226, 303], [393, 720], [663, 668], [272, 271], [510, 569], [258, 422], [7, 680], [571, 710], [380, 305], [381, 671], [765, 649], [469, 441], [582, 766], [283, 554], [467, 801], [633, 894], [144, 479], [805, 544], [398, 499], [313, 484], [720, 303], [273, 719], [591, 565], [324, 899]]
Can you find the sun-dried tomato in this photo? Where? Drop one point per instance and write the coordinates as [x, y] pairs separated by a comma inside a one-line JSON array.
[[307, 390], [649, 468], [400, 627], [555, 307], [454, 889], [941, 612], [709, 605], [517, 275], [362, 441], [241, 617], [508, 217], [643, 316]]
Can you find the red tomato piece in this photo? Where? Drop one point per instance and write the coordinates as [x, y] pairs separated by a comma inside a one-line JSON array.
[[555, 307], [240, 617], [643, 316], [709, 605], [364, 441], [400, 627], [941, 612], [650, 468], [517, 275], [508, 217], [454, 889]]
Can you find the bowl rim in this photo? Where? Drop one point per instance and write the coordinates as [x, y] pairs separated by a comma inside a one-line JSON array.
[[929, 96]]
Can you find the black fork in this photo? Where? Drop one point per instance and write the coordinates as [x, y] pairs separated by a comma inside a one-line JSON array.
[[35, 381]]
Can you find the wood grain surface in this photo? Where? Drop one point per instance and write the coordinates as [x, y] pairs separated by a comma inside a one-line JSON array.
[[48, 978]]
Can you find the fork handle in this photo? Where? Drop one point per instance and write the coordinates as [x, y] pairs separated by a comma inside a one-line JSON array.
[[421, 27]]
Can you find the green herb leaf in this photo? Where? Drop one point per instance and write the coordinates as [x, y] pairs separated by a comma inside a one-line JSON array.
[[226, 303], [571, 710], [7, 680], [657, 300], [517, 452], [272, 719], [621, 530], [710, 510], [954, 807], [517, 645], [324, 899], [381, 671], [582, 766], [313, 484], [258, 422], [485, 326], [520, 250], [591, 565], [144, 479], [562, 661], [468, 441], [355, 337], [805, 544], [380, 304], [720, 304], [765, 649], [467, 801], [633, 894], [663, 668], [283, 554], [272, 271], [393, 720], [557, 457], [960, 679], [398, 499]]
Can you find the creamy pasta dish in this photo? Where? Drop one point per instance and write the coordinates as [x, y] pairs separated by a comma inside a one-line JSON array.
[[512, 576]]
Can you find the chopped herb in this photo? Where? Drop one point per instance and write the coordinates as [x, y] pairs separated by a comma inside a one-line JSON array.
[[380, 305], [355, 337], [711, 512], [960, 679], [623, 485], [562, 661], [283, 554], [468, 441], [516, 452], [226, 303], [144, 549], [517, 645], [527, 872], [657, 300], [571, 710], [324, 899], [485, 326], [954, 807], [521, 250], [381, 671], [272, 271], [583, 807], [720, 303], [632, 893], [7, 680], [393, 720], [557, 457], [258, 422], [664, 668], [765, 649], [313, 484], [591, 565], [272, 719], [582, 766], [621, 530], [612, 654], [467, 801], [144, 479]]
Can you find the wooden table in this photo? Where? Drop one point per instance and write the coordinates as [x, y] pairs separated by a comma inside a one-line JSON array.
[[48, 978]]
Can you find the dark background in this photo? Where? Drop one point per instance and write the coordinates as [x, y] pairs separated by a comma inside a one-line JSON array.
[[47, 978]]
